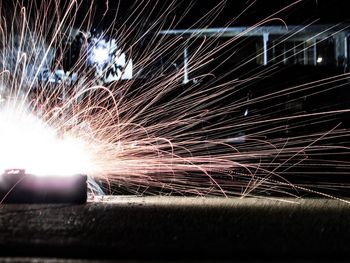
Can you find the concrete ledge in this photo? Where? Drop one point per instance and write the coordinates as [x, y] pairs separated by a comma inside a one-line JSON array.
[[179, 228]]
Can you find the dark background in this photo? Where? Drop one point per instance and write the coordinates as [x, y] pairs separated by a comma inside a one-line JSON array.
[[300, 12]]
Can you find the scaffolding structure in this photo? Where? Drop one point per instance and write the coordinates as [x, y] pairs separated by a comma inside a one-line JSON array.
[[297, 44]]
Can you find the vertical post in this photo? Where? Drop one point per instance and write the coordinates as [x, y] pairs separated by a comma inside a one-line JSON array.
[[186, 78], [346, 59], [294, 53], [315, 51], [340, 48], [265, 40], [305, 53]]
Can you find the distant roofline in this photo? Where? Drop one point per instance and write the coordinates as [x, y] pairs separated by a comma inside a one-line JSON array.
[[319, 31]]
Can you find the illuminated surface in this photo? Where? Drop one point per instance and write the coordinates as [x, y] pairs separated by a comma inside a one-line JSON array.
[[24, 188]]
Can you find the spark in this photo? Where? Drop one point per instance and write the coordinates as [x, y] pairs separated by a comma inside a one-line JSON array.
[[149, 134]]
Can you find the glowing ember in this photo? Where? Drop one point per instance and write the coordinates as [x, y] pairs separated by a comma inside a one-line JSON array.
[[28, 143]]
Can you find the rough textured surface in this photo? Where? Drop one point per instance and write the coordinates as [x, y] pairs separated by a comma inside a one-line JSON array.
[[173, 227]]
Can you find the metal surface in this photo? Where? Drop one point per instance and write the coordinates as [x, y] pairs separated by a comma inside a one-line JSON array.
[[178, 228], [29, 189]]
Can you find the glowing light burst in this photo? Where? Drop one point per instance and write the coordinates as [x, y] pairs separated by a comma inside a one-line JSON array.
[[100, 53], [150, 134], [30, 144]]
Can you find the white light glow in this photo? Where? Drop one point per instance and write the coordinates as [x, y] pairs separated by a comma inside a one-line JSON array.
[[28, 143], [100, 55], [319, 60]]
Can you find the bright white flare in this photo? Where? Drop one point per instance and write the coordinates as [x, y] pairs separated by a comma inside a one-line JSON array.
[[100, 54], [28, 143]]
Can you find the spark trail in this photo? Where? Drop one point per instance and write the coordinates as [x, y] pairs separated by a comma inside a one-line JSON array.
[[152, 134]]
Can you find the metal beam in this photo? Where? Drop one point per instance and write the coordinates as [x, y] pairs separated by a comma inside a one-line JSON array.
[[186, 75], [265, 40], [297, 31]]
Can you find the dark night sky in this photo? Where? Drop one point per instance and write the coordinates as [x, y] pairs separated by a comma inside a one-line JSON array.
[[303, 12], [327, 11]]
